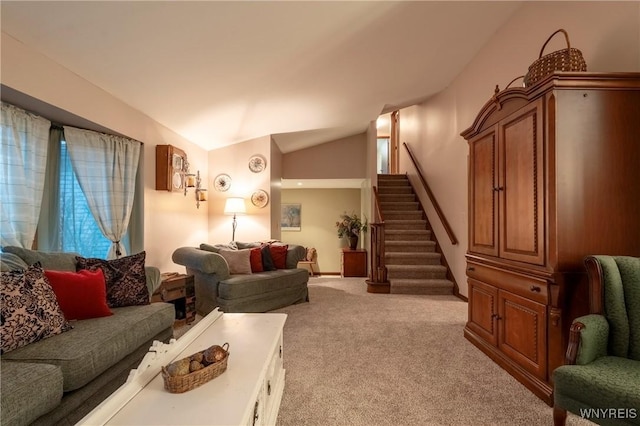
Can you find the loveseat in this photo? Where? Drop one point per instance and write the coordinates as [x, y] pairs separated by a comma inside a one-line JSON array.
[[245, 277], [60, 378]]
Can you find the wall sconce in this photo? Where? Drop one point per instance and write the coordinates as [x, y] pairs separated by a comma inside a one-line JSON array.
[[234, 206], [194, 181]]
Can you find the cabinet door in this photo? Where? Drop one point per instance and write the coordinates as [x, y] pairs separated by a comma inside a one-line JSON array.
[[522, 332], [483, 201], [483, 310], [521, 185]]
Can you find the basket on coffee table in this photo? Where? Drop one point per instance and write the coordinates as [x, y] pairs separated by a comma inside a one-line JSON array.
[[179, 383]]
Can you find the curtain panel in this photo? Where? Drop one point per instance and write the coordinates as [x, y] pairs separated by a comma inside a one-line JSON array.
[[23, 157], [106, 168]]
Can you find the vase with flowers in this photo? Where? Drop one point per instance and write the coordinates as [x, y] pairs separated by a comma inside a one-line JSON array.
[[350, 226]]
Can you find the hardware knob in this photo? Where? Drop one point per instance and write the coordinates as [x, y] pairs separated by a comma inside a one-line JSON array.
[[268, 387], [535, 288], [471, 268]]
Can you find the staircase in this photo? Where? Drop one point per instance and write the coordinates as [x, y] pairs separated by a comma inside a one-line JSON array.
[[413, 265]]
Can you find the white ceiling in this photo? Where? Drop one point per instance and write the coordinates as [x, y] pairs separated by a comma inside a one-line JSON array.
[[219, 73]]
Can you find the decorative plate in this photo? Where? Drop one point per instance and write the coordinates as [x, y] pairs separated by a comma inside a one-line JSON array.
[[222, 182], [257, 163], [260, 198]]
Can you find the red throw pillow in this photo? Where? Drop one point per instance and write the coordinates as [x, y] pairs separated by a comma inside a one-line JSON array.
[[81, 295], [279, 255], [255, 257]]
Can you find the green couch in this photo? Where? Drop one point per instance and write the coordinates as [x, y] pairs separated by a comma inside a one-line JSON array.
[[601, 380], [254, 292], [60, 379]]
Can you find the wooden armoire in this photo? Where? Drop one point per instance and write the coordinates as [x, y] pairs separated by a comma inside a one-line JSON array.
[[554, 175]]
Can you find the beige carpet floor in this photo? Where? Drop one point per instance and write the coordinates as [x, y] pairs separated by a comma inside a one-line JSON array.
[[354, 358]]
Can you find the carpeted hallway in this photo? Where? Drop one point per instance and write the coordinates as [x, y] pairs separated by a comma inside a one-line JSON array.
[[354, 358]]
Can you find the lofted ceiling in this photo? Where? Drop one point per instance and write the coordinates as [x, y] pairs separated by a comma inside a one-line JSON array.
[[219, 72]]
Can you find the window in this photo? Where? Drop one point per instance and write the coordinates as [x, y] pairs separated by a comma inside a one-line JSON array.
[[42, 195], [78, 230]]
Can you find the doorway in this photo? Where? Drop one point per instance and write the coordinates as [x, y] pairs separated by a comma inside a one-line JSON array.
[[387, 143]]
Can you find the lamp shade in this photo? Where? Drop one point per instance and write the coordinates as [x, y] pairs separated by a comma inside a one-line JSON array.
[[235, 205]]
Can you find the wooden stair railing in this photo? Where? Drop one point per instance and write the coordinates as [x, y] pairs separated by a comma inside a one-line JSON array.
[[432, 197], [378, 282]]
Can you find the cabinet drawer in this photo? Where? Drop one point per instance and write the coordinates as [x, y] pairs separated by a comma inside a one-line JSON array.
[[522, 285]]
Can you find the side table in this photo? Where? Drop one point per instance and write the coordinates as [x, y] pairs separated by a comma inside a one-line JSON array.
[[178, 289], [354, 263]]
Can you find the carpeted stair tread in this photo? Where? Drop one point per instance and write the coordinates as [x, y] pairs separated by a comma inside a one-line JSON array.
[[410, 246], [390, 190], [400, 215], [393, 182], [415, 258], [416, 271], [392, 223], [389, 198], [416, 286], [402, 206], [407, 235]]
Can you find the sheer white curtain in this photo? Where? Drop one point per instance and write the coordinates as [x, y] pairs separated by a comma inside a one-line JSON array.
[[106, 167], [23, 158]]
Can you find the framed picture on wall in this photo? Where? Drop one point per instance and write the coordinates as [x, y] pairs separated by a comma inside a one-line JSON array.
[[290, 217]]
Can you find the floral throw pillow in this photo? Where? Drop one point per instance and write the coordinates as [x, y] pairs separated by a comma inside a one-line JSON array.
[[29, 309], [125, 279]]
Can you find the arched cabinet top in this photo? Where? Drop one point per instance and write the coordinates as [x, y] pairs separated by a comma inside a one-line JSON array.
[[504, 102]]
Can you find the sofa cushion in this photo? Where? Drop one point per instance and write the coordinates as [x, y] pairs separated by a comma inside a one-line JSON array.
[[29, 390], [279, 255], [125, 278], [295, 253], [81, 295], [96, 344], [240, 245], [255, 258], [267, 259], [30, 310], [58, 261], [238, 260], [604, 383], [215, 248], [11, 262], [262, 283]]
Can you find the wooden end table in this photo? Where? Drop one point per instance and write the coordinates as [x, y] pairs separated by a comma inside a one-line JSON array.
[[354, 263], [178, 289]]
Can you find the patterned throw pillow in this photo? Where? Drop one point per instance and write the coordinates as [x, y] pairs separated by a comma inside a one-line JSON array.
[[29, 309], [125, 278]]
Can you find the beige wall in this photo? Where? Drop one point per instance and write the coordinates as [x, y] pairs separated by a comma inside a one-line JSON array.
[[233, 160], [607, 33], [321, 209], [170, 219], [340, 159]]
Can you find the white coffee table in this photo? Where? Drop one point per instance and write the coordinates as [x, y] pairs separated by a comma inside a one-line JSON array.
[[247, 393]]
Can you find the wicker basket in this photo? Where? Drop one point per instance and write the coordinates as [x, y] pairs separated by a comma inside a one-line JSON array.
[[569, 59], [183, 383]]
